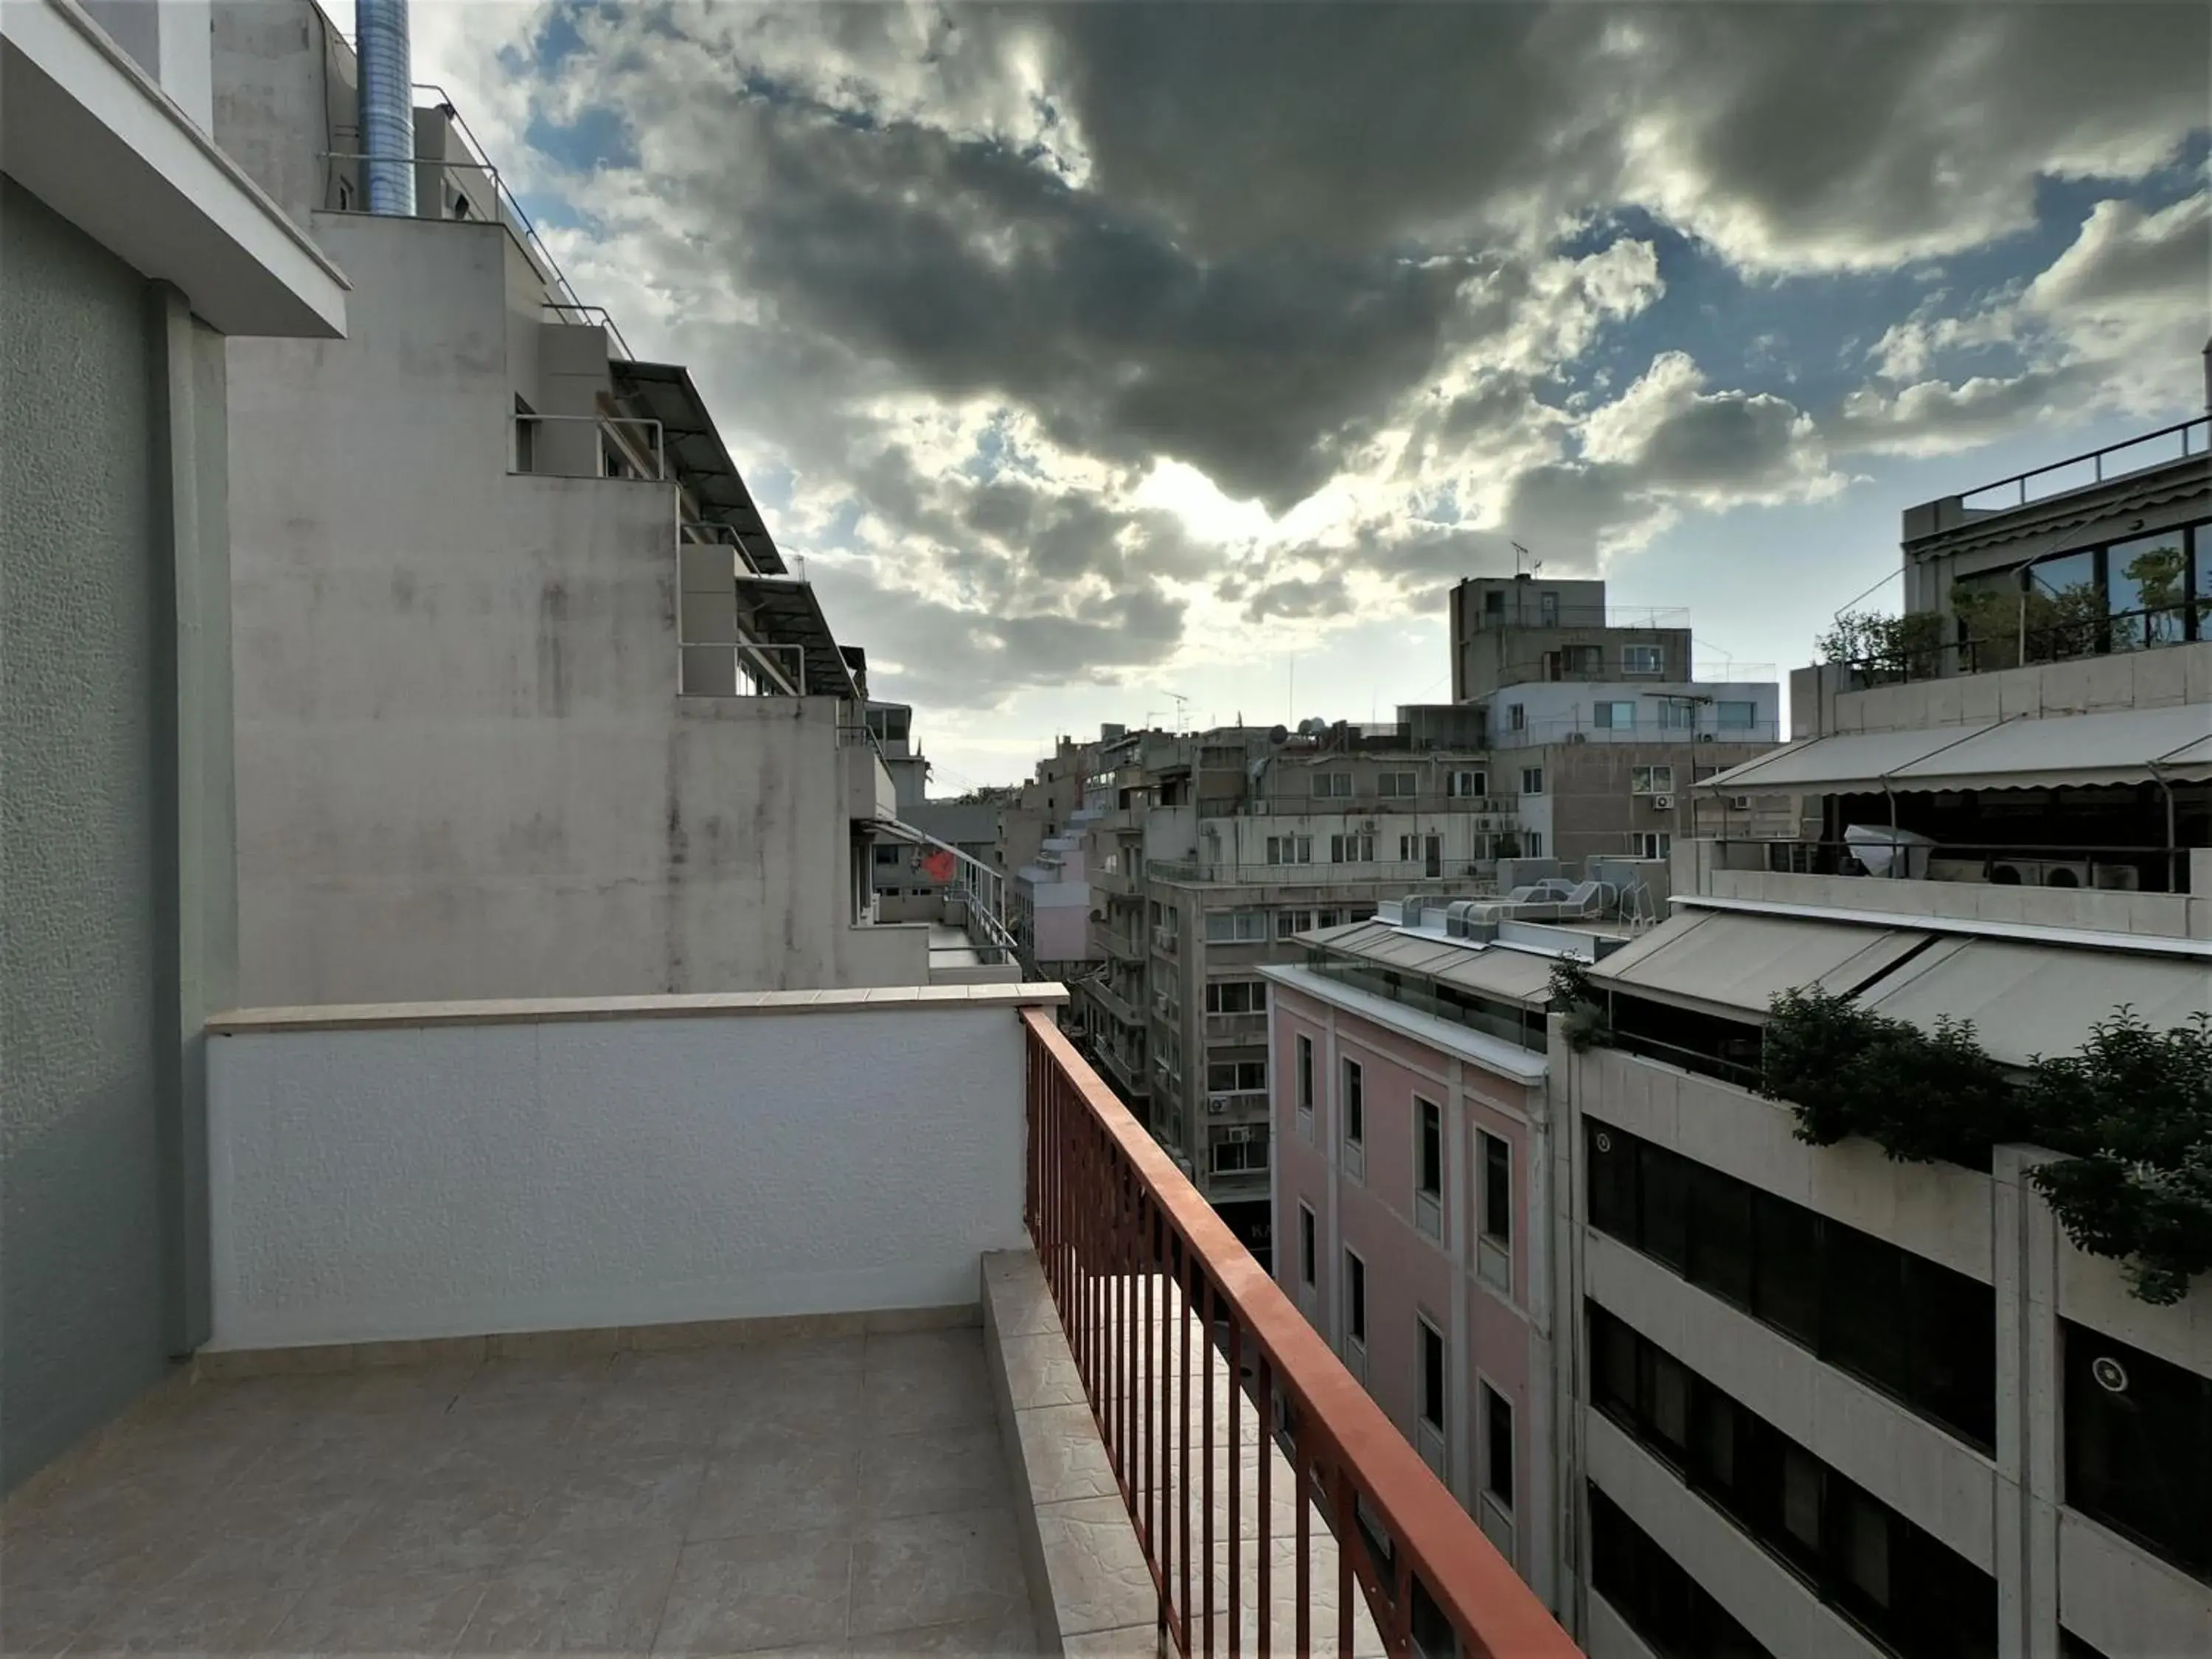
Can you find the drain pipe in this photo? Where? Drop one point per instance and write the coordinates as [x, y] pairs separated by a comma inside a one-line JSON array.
[[387, 104]]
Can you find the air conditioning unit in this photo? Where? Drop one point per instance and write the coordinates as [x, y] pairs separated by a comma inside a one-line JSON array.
[[1577, 737], [2041, 872], [2067, 872], [1662, 803], [1740, 803], [1216, 1108], [2116, 877], [1704, 737]]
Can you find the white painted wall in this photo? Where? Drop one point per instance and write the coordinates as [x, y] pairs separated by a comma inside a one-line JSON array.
[[457, 1179]]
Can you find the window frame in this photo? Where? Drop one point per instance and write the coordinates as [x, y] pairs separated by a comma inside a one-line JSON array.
[[1427, 1335], [1634, 657], [1353, 1131], [1490, 1401], [1355, 1299], [1529, 773], [1309, 1245]]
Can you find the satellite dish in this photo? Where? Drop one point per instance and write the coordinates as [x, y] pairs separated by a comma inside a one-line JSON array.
[[1278, 733]]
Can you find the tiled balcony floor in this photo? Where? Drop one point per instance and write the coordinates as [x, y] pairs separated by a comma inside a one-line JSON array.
[[826, 1495]]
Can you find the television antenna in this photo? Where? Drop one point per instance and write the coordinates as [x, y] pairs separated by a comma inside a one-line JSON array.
[[1521, 556]]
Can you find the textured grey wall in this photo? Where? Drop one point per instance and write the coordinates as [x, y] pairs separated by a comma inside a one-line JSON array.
[[88, 1210]]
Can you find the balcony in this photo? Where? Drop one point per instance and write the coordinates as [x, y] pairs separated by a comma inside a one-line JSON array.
[[1117, 1007], [1252, 1027], [1237, 1104], [667, 1322]]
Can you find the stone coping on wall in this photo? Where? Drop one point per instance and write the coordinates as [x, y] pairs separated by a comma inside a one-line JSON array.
[[712, 1004]]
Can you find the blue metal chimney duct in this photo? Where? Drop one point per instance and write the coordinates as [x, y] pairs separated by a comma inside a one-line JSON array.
[[388, 104]]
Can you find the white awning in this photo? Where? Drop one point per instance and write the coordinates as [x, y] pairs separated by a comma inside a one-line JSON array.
[[2030, 999], [2129, 745], [1735, 964], [1522, 976]]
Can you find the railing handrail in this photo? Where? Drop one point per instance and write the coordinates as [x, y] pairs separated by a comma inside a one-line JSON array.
[[1496, 1615], [520, 418], [2096, 457]]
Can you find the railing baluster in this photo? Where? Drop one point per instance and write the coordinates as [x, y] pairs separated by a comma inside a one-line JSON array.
[[1139, 1267]]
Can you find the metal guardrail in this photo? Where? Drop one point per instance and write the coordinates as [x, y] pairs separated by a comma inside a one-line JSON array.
[[758, 670], [613, 426], [1188, 1352], [1988, 498], [1319, 873], [2071, 866], [2115, 633]]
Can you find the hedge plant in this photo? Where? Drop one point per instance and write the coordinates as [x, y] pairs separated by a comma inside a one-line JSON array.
[[2132, 1111]]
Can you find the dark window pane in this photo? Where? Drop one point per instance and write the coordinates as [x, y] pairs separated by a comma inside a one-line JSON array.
[[1500, 1478], [1433, 1376], [1720, 1234], [1667, 1410], [1786, 1291], [1861, 1302], [1611, 1157], [2139, 1446], [1432, 1148], [1801, 1502], [1305, 1245], [1662, 1180], [1951, 1348], [1615, 1346], [1355, 1291], [1496, 1189]]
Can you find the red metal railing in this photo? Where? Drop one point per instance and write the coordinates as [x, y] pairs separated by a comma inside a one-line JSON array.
[[1190, 1353]]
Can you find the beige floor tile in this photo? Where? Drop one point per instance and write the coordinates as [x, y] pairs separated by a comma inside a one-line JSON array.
[[830, 1403], [771, 1483], [1062, 1454], [781, 1589], [506, 1382], [605, 1602], [933, 1472], [919, 1570], [442, 1525], [383, 1614], [202, 1610], [1012, 1636], [929, 1383], [638, 1498], [649, 1420]]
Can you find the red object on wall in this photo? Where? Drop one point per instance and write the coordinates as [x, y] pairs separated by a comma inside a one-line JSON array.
[[937, 864]]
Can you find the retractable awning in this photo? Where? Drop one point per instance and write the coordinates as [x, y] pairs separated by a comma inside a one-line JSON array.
[[1735, 964], [2124, 746], [2028, 999], [665, 392]]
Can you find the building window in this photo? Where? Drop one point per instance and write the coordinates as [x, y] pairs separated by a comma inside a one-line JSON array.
[[1467, 785], [1332, 786], [1613, 716], [1516, 717], [1291, 923], [1429, 1150], [2139, 1446], [1547, 609], [1289, 849], [1917, 1331], [1644, 661], [1650, 779], [1398, 786], [1355, 1299], [1532, 779], [1352, 849], [1533, 841], [1432, 1376], [1921, 1598], [1305, 1072], [1305, 1246], [1355, 1105], [1242, 1150], [1736, 716], [1496, 1218], [1498, 1433], [1677, 714], [1652, 844], [1237, 996], [1235, 1077], [1235, 926], [1671, 1611]]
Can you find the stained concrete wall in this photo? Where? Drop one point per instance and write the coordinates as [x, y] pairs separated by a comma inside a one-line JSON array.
[[115, 847], [463, 769]]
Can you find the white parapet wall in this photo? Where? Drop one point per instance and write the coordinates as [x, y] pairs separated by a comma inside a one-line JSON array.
[[407, 1171]]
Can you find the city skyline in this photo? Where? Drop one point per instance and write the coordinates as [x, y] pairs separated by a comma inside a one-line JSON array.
[[1066, 425]]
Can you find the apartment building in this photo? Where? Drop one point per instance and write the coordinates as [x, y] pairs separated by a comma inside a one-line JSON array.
[[1413, 1189], [518, 661], [1601, 723], [967, 825], [136, 254], [1786, 1397]]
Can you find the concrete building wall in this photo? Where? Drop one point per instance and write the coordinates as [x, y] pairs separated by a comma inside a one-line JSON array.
[[1823, 701], [1590, 804], [115, 836], [463, 769], [453, 1179]]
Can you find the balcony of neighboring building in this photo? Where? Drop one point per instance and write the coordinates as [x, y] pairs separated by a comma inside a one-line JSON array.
[[669, 1323]]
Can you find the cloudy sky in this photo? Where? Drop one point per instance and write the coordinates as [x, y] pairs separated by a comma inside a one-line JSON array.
[[1094, 354]]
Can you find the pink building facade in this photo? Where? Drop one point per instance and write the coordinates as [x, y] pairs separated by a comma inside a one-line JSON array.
[[1412, 1227]]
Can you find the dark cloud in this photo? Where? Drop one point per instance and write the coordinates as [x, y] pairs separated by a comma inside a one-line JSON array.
[[1351, 246]]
